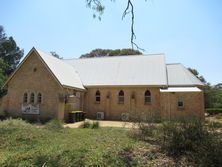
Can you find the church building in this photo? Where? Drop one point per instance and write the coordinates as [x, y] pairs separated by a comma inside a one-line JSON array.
[[110, 88]]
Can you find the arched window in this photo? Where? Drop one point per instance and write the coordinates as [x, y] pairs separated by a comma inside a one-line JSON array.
[[121, 97], [147, 97], [39, 97], [97, 96], [25, 98], [32, 98]]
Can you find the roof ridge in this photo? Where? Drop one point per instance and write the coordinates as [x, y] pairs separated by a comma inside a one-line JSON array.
[[118, 56]]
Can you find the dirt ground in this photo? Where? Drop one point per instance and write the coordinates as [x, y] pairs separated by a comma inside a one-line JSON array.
[[102, 123]]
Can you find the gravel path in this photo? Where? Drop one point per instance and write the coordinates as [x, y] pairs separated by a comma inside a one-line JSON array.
[[119, 124]]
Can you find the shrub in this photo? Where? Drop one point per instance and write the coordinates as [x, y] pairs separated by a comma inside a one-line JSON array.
[[9, 123], [92, 125], [215, 124], [145, 123], [194, 139], [54, 124], [213, 111], [95, 125], [182, 136]]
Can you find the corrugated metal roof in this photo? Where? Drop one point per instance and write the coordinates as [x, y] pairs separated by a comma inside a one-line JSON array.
[[136, 70], [65, 73], [181, 89], [178, 75], [122, 70]]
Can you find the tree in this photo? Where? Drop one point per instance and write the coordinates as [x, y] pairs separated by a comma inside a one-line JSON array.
[[212, 94], [196, 73], [110, 52], [10, 53], [56, 55], [99, 8]]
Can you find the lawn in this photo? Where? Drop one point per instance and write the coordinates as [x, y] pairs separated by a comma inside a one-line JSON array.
[[24, 144]]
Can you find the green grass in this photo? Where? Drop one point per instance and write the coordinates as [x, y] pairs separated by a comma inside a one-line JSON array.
[[51, 145], [24, 144]]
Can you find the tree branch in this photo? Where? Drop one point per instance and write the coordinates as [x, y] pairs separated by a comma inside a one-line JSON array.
[[130, 10], [97, 6]]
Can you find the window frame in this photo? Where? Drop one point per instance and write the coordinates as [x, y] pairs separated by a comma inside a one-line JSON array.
[[180, 100], [97, 97], [32, 97], [121, 98], [147, 95], [25, 98], [39, 96]]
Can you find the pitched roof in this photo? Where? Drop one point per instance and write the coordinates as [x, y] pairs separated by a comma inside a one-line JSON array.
[[65, 73], [178, 75], [136, 70], [121, 70]]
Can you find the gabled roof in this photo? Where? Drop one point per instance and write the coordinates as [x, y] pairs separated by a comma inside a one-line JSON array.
[[138, 70], [65, 74], [178, 75]]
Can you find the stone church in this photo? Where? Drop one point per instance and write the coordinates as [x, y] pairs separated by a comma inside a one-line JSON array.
[[110, 88]]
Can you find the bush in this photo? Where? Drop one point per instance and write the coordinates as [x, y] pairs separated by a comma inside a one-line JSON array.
[[213, 111], [193, 139], [92, 125], [95, 125], [54, 124], [180, 137], [10, 123], [86, 124]]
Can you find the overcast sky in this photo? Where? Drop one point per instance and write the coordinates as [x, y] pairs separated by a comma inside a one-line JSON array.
[[186, 31]]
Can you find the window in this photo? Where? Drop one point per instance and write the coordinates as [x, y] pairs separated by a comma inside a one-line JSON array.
[[39, 98], [74, 93], [97, 96], [147, 97], [121, 97], [25, 98], [32, 98], [180, 102]]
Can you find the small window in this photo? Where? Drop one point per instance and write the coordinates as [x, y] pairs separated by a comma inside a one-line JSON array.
[[39, 98], [180, 102], [32, 98], [97, 96], [121, 97], [147, 97], [25, 98]]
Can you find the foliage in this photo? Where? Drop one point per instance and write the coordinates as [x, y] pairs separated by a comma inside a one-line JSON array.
[[95, 125], [110, 52], [23, 144], [98, 7], [212, 94], [90, 124], [54, 124], [193, 139], [10, 55], [56, 55], [213, 111], [189, 138], [183, 136], [196, 73]]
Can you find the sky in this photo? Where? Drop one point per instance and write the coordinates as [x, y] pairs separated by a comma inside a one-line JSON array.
[[186, 31]]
